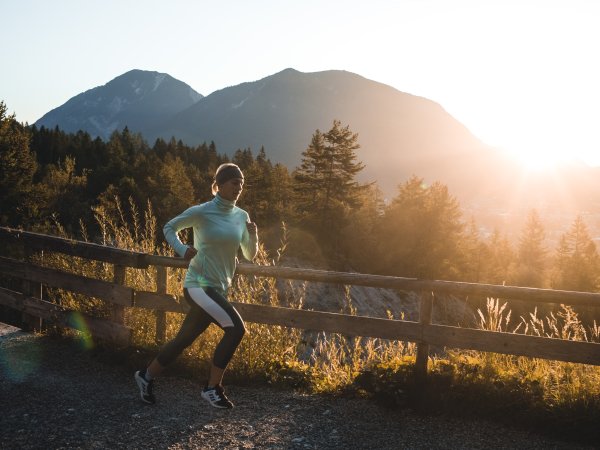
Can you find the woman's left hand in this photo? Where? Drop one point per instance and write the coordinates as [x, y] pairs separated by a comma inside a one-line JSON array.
[[251, 227]]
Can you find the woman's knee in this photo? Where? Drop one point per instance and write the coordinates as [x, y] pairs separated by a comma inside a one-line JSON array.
[[236, 332], [242, 329]]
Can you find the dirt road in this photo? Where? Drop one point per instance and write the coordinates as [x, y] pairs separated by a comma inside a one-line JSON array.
[[55, 394]]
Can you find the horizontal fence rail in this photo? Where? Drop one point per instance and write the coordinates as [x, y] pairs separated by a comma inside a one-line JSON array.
[[110, 292], [423, 332], [51, 312], [71, 247], [404, 284], [413, 284]]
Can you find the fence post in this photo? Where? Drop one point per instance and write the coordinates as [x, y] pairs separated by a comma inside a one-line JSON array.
[[161, 315], [118, 311], [31, 289], [426, 306]]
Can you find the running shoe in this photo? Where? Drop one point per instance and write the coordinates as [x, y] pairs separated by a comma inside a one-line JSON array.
[[145, 388], [216, 397]]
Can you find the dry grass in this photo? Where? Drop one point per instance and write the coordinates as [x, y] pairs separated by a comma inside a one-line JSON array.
[[557, 383]]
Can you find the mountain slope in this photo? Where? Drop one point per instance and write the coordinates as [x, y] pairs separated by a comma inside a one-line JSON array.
[[137, 99], [400, 134]]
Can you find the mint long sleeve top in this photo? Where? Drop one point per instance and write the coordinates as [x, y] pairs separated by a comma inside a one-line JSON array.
[[219, 231]]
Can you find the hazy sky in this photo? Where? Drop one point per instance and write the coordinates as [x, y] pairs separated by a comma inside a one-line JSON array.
[[522, 75]]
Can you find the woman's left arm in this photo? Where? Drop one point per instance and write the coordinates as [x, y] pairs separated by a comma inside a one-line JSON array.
[[249, 242]]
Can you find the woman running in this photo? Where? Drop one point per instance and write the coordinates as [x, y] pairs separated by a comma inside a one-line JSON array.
[[220, 229]]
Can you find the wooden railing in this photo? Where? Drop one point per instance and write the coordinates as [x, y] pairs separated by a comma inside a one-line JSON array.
[[423, 332]]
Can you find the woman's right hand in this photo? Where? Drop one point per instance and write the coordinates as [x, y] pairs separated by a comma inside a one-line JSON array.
[[190, 253]]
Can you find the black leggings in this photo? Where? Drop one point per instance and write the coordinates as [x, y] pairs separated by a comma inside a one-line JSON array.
[[206, 306]]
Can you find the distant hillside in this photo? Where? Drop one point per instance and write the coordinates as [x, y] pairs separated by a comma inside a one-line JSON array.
[[400, 134], [137, 99]]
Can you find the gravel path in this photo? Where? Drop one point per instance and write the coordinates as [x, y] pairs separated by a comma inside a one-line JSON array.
[[55, 395]]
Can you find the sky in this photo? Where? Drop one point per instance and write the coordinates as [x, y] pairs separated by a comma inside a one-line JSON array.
[[522, 76]]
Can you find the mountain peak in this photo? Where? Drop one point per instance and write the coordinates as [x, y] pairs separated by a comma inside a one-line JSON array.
[[137, 76], [288, 71], [136, 99]]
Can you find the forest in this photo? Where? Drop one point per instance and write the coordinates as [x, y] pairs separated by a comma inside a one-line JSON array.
[[50, 179]]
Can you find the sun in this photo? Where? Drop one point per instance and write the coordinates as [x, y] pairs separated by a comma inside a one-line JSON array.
[[543, 142], [552, 145], [538, 158], [544, 111]]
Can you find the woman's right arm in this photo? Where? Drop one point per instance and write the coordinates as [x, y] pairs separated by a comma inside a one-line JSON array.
[[186, 219]]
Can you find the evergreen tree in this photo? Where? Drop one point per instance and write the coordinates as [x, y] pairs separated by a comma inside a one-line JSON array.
[[17, 169], [325, 184], [172, 191], [279, 194], [472, 254], [500, 259], [309, 178], [421, 233], [268, 189], [64, 194], [49, 145], [577, 262], [359, 237], [243, 158], [532, 253]]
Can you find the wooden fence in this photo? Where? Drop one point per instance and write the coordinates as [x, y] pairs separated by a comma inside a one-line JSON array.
[[29, 301]]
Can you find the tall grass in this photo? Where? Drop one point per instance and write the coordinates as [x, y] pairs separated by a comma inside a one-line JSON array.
[[555, 384]]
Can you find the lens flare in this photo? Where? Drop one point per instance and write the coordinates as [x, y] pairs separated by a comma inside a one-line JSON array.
[[78, 322]]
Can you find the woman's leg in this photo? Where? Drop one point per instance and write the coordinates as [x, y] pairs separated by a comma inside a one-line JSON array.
[[226, 317], [194, 324], [215, 377]]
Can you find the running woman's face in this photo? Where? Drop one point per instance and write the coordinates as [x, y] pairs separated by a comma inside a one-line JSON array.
[[231, 189]]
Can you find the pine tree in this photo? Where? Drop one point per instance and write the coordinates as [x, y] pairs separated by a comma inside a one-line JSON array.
[[472, 251], [310, 178], [500, 260], [243, 158], [532, 253], [421, 232], [577, 261], [279, 195], [17, 169], [359, 236], [325, 184], [171, 192], [63, 191]]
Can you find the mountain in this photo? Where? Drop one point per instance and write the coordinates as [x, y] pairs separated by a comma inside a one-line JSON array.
[[137, 99], [400, 134]]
